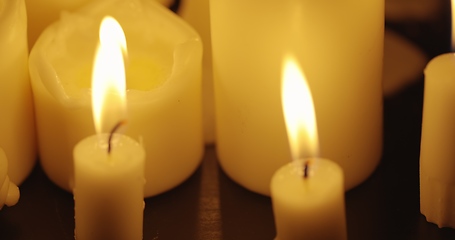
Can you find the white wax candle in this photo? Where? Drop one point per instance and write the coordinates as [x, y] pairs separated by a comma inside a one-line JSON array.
[[340, 43], [163, 73], [437, 153], [9, 192], [17, 125], [307, 194], [311, 207], [109, 168], [109, 188], [197, 14]]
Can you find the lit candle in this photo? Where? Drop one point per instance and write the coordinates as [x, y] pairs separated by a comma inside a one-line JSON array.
[[340, 43], [437, 153], [109, 168], [163, 74], [17, 125], [307, 194], [41, 13], [9, 192]]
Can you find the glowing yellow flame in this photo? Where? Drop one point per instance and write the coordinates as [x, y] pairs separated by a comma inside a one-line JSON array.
[[108, 77], [453, 24], [298, 111]]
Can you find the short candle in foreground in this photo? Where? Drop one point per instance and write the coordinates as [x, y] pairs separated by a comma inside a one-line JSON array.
[[311, 207], [308, 193], [109, 168], [109, 188]]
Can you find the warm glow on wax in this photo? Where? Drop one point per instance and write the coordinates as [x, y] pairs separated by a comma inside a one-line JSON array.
[[308, 203], [108, 78], [298, 111], [437, 195]]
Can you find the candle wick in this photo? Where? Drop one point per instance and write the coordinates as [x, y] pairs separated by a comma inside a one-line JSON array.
[[111, 135], [306, 170]]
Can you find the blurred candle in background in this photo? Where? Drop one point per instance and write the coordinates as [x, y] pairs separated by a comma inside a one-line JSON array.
[[17, 126], [109, 168], [41, 13], [437, 153], [9, 192], [163, 75], [197, 14], [341, 46], [308, 193]]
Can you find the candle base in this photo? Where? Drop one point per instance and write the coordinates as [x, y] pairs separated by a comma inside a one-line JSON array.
[[437, 202], [306, 208]]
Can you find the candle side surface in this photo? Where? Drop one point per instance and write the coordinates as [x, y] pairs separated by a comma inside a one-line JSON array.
[[309, 208], [437, 181], [109, 188], [17, 127]]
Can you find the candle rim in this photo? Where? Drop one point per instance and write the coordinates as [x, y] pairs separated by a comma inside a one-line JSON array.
[[42, 62]]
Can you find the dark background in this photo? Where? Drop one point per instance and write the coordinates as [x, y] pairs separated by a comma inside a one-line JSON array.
[[211, 206]]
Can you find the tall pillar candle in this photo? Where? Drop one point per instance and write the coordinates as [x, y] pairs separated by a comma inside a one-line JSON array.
[[341, 49], [163, 75], [197, 13], [437, 154], [17, 127]]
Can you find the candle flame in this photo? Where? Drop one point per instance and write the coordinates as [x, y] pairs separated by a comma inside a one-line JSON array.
[[108, 77], [298, 109]]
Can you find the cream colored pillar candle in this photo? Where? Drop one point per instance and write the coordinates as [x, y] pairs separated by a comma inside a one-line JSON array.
[[17, 129], [437, 154], [41, 13], [163, 74], [197, 13], [9, 192], [341, 48]]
